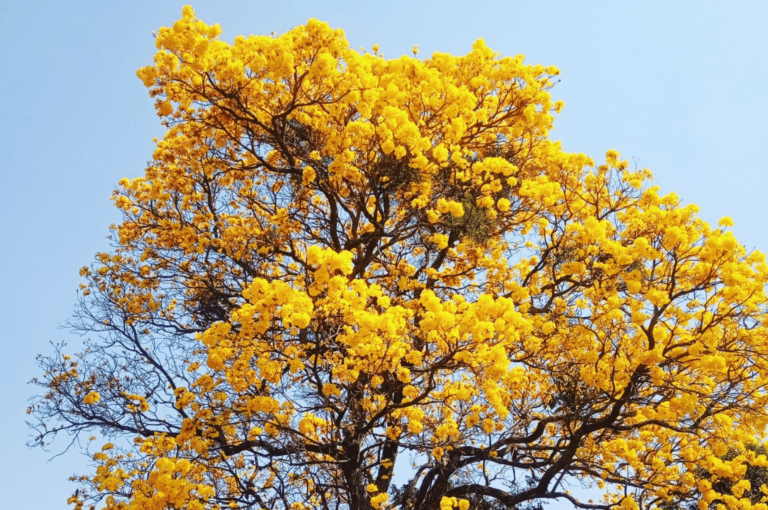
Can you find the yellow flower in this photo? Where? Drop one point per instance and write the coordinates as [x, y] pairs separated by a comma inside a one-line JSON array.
[[378, 500], [308, 176], [91, 398], [725, 221]]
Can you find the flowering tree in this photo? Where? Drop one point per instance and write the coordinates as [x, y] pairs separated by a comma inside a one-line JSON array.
[[347, 282]]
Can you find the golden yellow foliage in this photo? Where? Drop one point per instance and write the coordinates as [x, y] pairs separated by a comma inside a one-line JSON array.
[[338, 264]]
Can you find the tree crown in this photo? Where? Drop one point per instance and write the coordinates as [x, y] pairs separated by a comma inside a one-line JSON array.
[[340, 269]]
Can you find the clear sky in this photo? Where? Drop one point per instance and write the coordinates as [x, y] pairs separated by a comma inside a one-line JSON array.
[[679, 87]]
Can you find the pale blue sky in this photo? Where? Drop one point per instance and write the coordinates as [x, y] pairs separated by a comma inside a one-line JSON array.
[[678, 86]]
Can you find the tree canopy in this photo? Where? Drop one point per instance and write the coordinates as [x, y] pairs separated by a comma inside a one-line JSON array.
[[351, 282]]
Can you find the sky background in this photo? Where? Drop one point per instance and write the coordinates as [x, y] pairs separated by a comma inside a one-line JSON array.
[[678, 87]]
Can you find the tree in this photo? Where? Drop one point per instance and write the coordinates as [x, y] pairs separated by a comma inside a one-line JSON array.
[[352, 282]]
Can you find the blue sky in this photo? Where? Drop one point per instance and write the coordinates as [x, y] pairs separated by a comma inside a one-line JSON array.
[[679, 87]]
